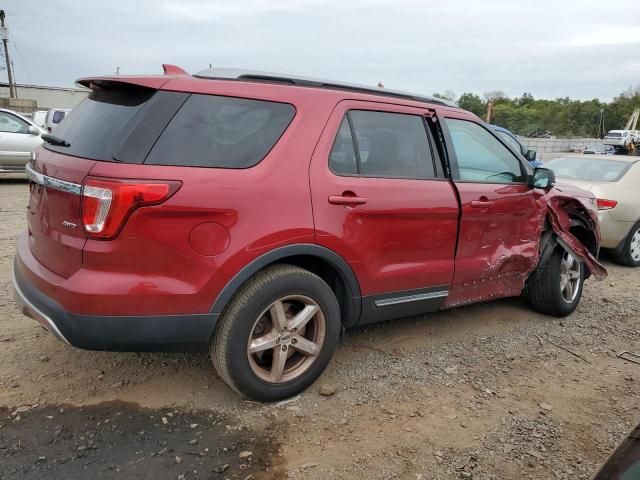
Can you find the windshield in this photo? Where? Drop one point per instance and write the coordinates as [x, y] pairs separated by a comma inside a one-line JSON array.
[[593, 169]]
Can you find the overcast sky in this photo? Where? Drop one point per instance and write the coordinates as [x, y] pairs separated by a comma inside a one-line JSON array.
[[551, 48]]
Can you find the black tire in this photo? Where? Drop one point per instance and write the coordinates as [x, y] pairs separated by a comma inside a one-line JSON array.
[[229, 345], [628, 249], [544, 290]]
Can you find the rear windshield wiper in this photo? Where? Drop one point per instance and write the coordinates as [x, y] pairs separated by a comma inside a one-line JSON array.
[[53, 140]]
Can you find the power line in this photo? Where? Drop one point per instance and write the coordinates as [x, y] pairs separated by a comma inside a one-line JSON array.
[[24, 65]]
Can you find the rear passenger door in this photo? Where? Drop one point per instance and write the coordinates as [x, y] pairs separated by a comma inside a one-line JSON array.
[[380, 201]]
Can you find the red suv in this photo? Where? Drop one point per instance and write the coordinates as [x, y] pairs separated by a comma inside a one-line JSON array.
[[257, 215]]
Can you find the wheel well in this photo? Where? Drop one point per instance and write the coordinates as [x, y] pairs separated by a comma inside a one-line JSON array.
[[332, 277], [586, 236]]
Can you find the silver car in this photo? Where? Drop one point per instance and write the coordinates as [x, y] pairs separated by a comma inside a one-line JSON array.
[[615, 181], [18, 138]]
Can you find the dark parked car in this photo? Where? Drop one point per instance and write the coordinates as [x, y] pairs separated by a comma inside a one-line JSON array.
[[514, 142], [256, 215]]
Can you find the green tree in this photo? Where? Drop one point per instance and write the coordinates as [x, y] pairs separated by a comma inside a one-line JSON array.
[[562, 116], [473, 103]]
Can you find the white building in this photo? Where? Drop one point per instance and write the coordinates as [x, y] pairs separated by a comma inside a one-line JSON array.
[[47, 97]]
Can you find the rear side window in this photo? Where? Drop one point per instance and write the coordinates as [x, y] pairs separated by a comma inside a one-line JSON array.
[[382, 144], [223, 132]]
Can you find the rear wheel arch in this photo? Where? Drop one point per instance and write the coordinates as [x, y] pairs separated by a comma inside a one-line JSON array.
[[325, 263]]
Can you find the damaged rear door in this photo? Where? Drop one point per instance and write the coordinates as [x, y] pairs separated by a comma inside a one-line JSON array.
[[500, 220]]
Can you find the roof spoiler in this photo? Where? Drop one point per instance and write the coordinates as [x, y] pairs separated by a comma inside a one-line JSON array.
[[174, 70]]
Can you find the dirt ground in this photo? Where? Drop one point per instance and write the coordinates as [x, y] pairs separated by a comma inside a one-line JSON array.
[[487, 391]]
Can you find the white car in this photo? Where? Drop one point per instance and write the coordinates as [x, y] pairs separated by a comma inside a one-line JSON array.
[[18, 138], [620, 139], [39, 118], [54, 117]]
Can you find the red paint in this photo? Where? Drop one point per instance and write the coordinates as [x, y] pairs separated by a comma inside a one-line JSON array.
[[209, 238], [403, 237], [396, 234]]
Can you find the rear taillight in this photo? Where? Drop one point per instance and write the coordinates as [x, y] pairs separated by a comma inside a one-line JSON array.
[[604, 204], [107, 203]]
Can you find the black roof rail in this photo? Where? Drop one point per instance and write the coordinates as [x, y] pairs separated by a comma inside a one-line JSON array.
[[258, 76]]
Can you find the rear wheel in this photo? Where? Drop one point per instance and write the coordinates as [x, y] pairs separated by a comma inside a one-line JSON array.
[[629, 251], [278, 334], [556, 287]]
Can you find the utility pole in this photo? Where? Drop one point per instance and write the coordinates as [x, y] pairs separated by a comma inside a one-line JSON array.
[[5, 41], [601, 130], [489, 116]]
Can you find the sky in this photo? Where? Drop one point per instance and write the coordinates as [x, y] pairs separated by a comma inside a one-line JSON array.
[[550, 48]]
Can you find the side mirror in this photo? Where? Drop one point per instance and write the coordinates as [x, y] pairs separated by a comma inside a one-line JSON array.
[[543, 178], [33, 130], [530, 155]]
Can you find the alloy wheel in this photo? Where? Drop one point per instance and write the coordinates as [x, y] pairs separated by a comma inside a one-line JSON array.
[[286, 339], [635, 246], [569, 277]]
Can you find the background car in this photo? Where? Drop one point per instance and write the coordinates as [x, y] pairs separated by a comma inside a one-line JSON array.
[[513, 141], [620, 139], [599, 148], [39, 118], [54, 117], [19, 137], [614, 180]]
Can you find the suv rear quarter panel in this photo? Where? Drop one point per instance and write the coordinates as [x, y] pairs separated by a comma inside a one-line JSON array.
[[152, 268]]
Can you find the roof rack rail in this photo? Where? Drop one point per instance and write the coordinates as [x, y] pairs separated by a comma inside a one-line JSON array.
[[258, 76]]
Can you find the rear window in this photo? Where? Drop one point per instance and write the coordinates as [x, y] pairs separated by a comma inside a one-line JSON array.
[[614, 134], [222, 132], [98, 125], [593, 170], [58, 116]]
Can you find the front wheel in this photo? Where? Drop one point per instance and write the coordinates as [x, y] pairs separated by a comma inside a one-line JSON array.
[[278, 334], [556, 287]]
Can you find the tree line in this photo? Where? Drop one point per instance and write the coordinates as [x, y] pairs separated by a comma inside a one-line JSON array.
[[562, 117]]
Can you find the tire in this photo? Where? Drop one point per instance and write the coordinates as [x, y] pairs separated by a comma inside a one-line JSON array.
[[628, 253], [251, 322], [544, 286]]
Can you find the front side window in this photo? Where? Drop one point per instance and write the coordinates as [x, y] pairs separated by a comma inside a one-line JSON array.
[[481, 157], [11, 124], [388, 145], [509, 140]]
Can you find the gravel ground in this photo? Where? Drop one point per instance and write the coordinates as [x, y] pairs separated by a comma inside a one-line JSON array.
[[487, 391]]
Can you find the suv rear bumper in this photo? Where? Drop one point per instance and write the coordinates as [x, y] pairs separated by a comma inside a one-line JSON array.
[[177, 333]]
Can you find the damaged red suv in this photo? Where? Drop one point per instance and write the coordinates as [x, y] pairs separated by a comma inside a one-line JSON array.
[[257, 215]]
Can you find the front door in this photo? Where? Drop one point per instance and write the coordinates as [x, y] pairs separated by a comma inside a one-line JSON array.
[[499, 223], [379, 203]]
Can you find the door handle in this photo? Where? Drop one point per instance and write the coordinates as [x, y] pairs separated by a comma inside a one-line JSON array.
[[347, 198], [480, 203], [483, 203]]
